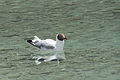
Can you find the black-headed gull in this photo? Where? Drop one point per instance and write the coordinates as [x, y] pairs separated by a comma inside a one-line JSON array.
[[50, 45]]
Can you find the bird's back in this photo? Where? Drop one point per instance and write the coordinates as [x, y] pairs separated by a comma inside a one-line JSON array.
[[46, 44]]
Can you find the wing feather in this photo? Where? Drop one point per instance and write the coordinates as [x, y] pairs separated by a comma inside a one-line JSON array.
[[45, 44]]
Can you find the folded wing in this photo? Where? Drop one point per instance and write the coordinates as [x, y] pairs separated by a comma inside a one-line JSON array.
[[43, 44]]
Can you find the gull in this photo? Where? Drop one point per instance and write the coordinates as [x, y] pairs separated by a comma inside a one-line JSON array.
[[49, 45]]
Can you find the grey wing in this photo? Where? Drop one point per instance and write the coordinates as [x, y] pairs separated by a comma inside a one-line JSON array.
[[45, 45]]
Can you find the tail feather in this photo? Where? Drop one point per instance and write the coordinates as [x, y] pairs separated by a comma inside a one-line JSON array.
[[36, 39]]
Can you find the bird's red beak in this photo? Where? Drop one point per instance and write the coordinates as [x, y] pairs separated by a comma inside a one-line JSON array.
[[65, 38]]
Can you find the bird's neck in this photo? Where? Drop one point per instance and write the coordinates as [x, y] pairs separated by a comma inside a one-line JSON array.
[[59, 44]]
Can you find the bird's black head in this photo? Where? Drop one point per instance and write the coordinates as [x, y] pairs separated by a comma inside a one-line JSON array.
[[61, 37]]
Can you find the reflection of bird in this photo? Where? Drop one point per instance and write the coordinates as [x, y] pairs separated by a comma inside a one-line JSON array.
[[50, 45]]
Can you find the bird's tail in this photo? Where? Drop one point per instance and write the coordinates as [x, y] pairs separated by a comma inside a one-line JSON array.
[[36, 39]]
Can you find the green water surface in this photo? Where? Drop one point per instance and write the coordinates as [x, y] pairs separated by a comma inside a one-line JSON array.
[[92, 49]]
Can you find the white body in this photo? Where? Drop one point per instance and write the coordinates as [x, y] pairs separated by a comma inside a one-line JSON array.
[[48, 44]]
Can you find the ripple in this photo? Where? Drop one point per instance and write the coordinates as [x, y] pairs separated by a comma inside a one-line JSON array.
[[12, 35]]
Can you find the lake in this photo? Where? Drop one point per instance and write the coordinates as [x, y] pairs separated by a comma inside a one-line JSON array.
[[92, 50]]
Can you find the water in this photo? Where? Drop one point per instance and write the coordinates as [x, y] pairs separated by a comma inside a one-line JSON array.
[[92, 27]]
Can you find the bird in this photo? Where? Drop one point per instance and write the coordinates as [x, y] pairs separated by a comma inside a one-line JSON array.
[[49, 45]]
